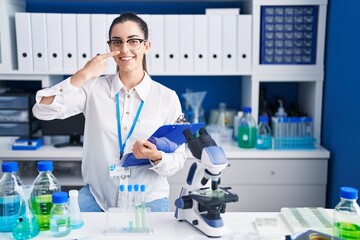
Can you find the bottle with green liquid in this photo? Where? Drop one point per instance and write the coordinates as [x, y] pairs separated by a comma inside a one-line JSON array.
[[247, 130], [347, 215], [45, 184]]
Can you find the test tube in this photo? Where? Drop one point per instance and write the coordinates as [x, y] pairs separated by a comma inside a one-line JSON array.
[[137, 206], [130, 208]]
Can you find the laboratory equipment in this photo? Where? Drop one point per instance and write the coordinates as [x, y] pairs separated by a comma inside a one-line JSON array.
[[75, 214], [247, 129], [202, 201], [195, 100], [347, 215], [26, 226], [237, 124], [60, 220], [45, 184], [263, 135], [9, 197]]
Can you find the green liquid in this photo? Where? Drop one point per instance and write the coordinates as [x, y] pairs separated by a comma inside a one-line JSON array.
[[41, 206], [346, 230], [246, 137]]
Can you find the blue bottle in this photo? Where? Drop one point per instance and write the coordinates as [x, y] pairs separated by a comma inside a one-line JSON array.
[[60, 219], [9, 198], [263, 135]]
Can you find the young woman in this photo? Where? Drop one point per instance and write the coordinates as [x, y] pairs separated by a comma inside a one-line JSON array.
[[121, 112]]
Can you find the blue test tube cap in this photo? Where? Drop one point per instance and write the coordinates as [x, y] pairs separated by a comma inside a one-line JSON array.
[[264, 119], [129, 188], [136, 187], [121, 187], [44, 166], [142, 188], [9, 167], [59, 197], [348, 193]]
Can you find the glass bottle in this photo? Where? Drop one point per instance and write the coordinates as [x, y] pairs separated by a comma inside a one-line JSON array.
[[9, 198], [45, 184], [247, 130], [263, 135], [76, 218], [347, 215], [60, 220]]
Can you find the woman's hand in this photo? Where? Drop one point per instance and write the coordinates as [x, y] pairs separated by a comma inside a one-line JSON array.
[[145, 149], [92, 69]]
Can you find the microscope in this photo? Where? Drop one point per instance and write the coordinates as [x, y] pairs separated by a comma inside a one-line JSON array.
[[202, 201]]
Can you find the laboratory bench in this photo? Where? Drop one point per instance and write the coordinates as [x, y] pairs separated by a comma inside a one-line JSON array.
[[265, 180], [240, 225]]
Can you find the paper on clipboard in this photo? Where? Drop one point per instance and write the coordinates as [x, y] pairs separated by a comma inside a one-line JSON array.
[[167, 138]]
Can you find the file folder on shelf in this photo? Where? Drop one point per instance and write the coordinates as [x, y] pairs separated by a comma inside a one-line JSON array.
[[215, 42], [200, 43], [244, 43], [98, 34], [172, 43], [24, 41], [186, 54], [54, 40], [39, 42], [167, 138], [83, 39], [229, 41], [69, 38], [157, 51]]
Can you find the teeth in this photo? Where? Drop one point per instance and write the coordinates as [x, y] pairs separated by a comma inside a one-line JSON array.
[[126, 58]]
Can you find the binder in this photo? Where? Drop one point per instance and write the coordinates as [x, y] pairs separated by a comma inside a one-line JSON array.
[[215, 42], [24, 41], [111, 64], [200, 43], [157, 51], [98, 34], [146, 18], [229, 41], [69, 38], [39, 41], [186, 43], [83, 39], [167, 138], [244, 43], [54, 41], [172, 43]]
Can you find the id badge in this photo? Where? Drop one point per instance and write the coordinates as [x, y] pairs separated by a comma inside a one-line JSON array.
[[117, 171]]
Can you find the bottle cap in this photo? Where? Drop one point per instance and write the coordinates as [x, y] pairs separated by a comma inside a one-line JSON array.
[[9, 167], [136, 187], [247, 109], [73, 193], [59, 197], [43, 166], [264, 119], [129, 188], [348, 193], [142, 188], [122, 187]]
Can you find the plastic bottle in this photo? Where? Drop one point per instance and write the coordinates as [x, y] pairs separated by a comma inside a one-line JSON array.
[[247, 130], [222, 121], [75, 214], [347, 215], [60, 220], [236, 124], [45, 184], [263, 135], [281, 111], [9, 198]]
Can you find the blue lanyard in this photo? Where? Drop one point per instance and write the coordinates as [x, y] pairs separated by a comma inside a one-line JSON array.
[[122, 146]]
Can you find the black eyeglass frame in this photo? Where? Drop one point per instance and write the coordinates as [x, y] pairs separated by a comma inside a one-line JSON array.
[[127, 41]]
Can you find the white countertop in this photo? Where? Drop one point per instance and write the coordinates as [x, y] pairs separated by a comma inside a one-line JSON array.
[[240, 227]]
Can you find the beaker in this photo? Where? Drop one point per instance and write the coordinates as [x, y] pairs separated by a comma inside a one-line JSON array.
[[195, 100], [26, 226]]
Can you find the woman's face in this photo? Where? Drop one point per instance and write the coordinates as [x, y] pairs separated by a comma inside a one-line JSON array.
[[131, 53]]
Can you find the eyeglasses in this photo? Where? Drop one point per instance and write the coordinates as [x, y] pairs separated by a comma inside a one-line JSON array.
[[132, 44]]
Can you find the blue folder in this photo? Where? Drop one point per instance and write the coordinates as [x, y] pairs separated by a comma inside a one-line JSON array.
[[167, 138]]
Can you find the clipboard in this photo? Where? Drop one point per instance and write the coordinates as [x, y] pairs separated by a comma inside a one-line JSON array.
[[167, 138]]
